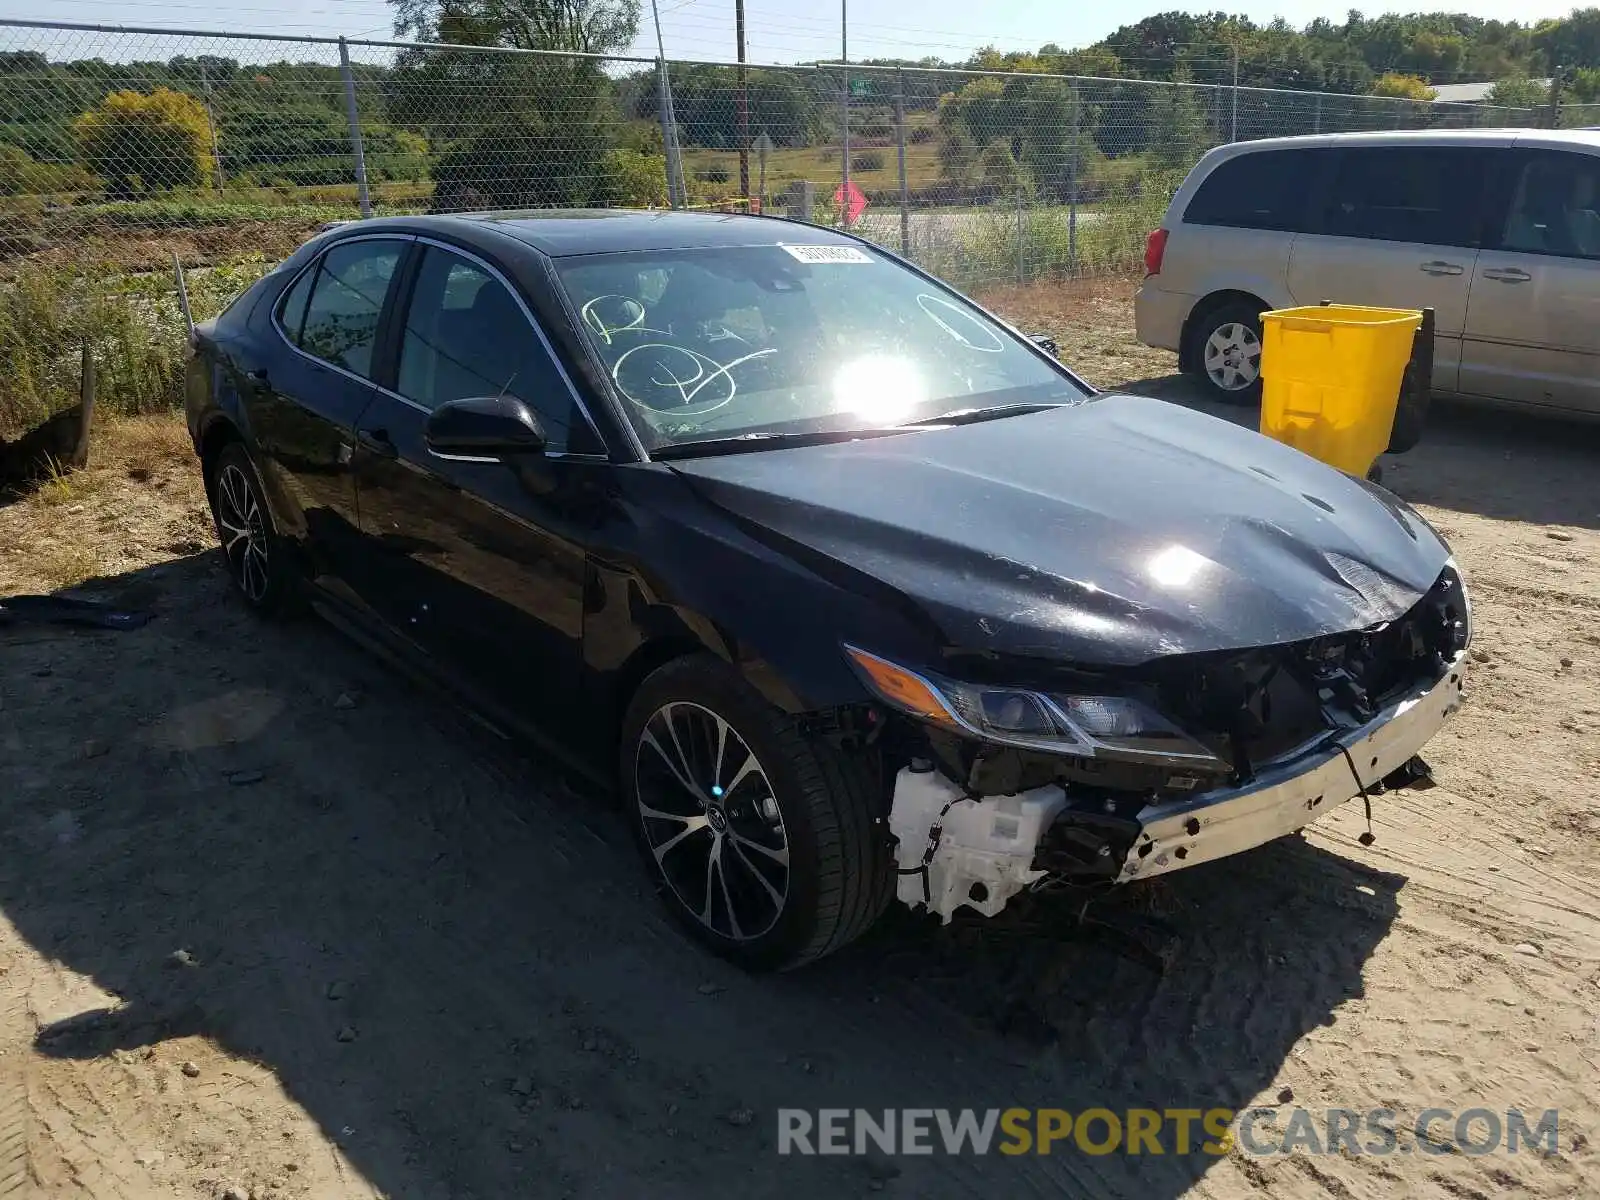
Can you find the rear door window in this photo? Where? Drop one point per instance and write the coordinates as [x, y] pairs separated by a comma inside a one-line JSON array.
[[347, 294], [1265, 190], [1420, 194], [292, 308]]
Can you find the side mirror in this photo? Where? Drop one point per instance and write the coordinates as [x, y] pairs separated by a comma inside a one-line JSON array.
[[1046, 343], [484, 427]]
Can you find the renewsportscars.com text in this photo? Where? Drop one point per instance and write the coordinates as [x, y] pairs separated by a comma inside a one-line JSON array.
[[1178, 1131]]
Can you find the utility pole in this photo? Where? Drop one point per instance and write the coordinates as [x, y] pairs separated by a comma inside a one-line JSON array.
[[742, 110], [844, 107]]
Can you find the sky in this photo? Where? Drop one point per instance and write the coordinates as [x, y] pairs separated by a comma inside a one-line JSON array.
[[778, 31]]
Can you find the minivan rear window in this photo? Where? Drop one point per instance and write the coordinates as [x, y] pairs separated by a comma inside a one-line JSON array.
[[1265, 190]]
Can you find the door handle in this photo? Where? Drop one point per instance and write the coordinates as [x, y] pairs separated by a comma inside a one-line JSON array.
[[1440, 267], [1507, 274], [377, 441]]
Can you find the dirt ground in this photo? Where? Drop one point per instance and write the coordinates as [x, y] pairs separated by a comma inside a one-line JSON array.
[[275, 923]]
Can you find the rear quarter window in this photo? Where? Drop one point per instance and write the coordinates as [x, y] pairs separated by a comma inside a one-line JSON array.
[[1269, 189]]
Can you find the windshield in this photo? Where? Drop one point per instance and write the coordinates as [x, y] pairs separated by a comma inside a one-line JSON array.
[[711, 344]]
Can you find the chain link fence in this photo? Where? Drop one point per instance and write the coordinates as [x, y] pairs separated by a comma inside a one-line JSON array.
[[121, 147]]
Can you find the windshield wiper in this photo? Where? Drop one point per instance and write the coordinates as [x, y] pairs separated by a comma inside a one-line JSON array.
[[768, 440], [968, 416]]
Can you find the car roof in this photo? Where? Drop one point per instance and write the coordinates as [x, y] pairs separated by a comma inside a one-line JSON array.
[[1585, 139], [561, 232]]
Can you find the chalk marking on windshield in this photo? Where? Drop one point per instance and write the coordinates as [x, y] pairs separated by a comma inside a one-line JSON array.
[[923, 302], [699, 380], [602, 330]]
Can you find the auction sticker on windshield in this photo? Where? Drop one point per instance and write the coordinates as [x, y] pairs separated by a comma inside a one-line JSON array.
[[829, 254]]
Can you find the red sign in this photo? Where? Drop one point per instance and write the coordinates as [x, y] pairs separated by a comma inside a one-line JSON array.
[[849, 199]]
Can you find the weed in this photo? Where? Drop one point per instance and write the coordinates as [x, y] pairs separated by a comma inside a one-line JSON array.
[[56, 487], [130, 321], [64, 565]]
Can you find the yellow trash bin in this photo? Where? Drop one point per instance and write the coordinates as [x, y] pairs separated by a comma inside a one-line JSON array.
[[1330, 379]]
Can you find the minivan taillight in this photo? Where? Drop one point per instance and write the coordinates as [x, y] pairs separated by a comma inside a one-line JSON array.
[[1155, 247]]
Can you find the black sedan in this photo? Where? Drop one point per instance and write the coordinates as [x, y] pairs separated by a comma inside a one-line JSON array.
[[852, 590]]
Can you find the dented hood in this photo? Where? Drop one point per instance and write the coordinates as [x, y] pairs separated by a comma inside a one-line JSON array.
[[1108, 533]]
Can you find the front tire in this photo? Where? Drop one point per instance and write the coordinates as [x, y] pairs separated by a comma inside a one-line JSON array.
[[1225, 352], [765, 843], [257, 558]]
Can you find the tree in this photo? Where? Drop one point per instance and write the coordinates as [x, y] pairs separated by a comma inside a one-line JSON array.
[[1518, 92], [635, 180], [1403, 87], [958, 154], [520, 131], [142, 142], [544, 148], [1179, 134], [783, 104], [999, 172], [587, 26], [1573, 41], [1056, 143]]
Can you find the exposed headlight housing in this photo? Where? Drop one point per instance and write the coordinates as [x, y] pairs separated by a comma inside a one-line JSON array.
[[1453, 569], [1087, 726]]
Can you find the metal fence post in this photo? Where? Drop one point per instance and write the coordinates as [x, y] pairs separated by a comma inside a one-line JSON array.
[[844, 153], [1234, 136], [669, 137], [1316, 116], [1072, 191], [354, 116], [1021, 266], [741, 109], [1553, 108], [900, 146]]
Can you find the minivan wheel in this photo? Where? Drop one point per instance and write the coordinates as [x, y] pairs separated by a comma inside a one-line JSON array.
[[1226, 352], [762, 840], [257, 559]]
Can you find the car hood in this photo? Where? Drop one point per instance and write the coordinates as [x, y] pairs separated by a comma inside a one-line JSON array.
[[1108, 533]]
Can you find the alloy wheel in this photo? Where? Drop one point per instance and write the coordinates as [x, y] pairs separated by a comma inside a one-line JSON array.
[[242, 527], [711, 821], [1233, 356]]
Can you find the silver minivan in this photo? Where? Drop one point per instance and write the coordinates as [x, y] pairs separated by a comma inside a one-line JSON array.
[[1497, 230]]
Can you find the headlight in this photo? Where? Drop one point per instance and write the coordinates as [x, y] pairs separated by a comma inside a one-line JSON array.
[[1466, 600], [1086, 726]]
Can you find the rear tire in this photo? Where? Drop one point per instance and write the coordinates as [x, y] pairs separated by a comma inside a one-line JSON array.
[[259, 562], [765, 843], [1225, 352]]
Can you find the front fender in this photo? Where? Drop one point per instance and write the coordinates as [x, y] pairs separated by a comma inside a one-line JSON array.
[[675, 572]]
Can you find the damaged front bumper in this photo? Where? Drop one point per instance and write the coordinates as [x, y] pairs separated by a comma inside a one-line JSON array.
[[959, 850], [1290, 795]]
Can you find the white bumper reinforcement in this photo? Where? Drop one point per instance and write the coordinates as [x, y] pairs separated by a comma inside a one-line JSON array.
[[985, 849]]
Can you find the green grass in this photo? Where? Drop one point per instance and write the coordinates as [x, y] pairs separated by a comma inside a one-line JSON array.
[[185, 213], [131, 322], [821, 165]]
